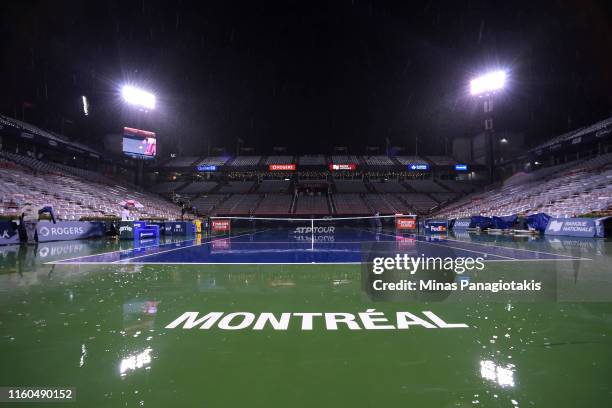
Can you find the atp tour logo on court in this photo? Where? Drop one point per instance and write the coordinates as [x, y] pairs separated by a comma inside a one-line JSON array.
[[316, 234]]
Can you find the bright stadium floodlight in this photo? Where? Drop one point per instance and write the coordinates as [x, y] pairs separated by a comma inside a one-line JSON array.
[[85, 105], [491, 82], [138, 97]]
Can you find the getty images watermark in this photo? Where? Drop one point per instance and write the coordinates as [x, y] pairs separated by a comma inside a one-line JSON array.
[[402, 271]]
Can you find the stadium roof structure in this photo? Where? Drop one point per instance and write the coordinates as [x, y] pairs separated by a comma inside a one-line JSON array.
[[604, 125], [29, 129]]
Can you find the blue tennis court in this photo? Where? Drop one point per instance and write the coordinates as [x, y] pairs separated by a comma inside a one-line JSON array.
[[284, 246]]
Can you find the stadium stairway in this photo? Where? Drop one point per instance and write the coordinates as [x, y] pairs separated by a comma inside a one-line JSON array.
[[369, 185], [442, 186], [330, 204], [413, 190], [215, 189], [396, 162], [256, 205], [293, 204]]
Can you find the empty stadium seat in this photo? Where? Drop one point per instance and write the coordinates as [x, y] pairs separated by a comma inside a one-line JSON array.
[[312, 205], [245, 161], [350, 204], [274, 204], [274, 186], [350, 186]]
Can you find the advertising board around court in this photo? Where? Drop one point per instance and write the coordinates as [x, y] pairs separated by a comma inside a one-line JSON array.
[[69, 230], [126, 230], [145, 231], [436, 226], [576, 227], [408, 224], [462, 224], [9, 233], [220, 225], [180, 228]]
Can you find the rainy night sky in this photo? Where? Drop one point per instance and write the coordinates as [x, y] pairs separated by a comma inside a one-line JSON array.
[[305, 74]]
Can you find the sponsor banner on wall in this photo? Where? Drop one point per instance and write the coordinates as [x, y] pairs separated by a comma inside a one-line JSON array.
[[576, 227], [146, 232], [220, 225], [184, 228], [8, 233], [405, 224], [126, 230], [206, 168], [281, 167], [462, 224], [436, 226], [345, 166], [418, 167], [69, 230]]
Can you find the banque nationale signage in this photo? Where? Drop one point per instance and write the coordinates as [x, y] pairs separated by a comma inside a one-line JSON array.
[[370, 319]]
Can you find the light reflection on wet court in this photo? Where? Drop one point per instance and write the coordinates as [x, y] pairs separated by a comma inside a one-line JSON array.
[[93, 315]]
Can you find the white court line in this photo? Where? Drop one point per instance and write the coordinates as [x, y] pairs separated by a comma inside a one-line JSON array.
[[176, 249], [304, 242], [449, 246], [469, 250], [569, 257], [503, 246], [212, 239], [204, 241], [114, 252], [291, 263]]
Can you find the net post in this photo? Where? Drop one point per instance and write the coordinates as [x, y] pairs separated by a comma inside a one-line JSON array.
[[312, 234]]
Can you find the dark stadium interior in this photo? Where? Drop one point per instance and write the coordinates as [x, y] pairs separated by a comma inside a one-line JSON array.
[[185, 187], [307, 75]]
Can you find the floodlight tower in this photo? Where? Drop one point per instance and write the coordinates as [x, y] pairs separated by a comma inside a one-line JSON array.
[[485, 87], [138, 97], [144, 101]]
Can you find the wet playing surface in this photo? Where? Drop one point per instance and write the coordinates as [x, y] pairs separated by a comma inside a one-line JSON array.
[[70, 317]]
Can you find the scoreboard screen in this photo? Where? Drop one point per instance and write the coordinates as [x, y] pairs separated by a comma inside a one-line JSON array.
[[140, 143]]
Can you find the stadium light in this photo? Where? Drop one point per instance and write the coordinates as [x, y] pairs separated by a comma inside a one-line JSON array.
[[138, 97], [485, 87], [85, 105], [491, 82]]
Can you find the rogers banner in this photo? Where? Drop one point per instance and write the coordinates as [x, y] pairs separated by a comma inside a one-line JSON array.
[[405, 223], [220, 225], [69, 230], [346, 166], [285, 167]]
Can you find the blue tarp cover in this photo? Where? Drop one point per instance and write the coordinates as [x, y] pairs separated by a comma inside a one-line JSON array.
[[538, 221], [482, 222], [504, 222]]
